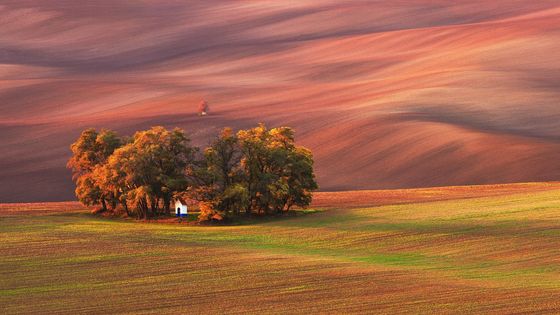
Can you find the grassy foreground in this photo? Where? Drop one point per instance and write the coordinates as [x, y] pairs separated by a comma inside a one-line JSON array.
[[484, 249]]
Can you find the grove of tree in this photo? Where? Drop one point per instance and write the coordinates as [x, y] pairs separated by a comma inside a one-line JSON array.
[[254, 171]]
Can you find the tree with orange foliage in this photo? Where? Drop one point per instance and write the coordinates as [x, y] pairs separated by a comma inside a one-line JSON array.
[[257, 170], [208, 212], [142, 174], [203, 108], [150, 170], [90, 151]]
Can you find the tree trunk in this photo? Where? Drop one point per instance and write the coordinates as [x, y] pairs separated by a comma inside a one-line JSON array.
[[125, 206], [113, 202], [153, 205], [248, 208], [167, 205], [143, 206]]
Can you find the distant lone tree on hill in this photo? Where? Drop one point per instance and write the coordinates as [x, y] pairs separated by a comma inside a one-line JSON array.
[[203, 108]]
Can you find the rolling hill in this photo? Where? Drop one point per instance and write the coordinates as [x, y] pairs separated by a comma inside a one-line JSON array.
[[451, 250], [387, 94]]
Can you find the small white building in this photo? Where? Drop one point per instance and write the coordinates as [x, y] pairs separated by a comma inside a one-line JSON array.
[[180, 208]]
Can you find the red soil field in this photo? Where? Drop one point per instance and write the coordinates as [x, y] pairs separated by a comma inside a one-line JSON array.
[[387, 94]]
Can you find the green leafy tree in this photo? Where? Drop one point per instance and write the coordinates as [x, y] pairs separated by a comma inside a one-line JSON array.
[[147, 172], [301, 179], [254, 161], [278, 173], [220, 184]]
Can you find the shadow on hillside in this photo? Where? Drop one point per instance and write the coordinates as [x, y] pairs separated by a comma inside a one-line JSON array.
[[192, 218]]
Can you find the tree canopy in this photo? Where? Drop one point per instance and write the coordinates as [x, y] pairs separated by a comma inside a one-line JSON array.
[[254, 171], [91, 151]]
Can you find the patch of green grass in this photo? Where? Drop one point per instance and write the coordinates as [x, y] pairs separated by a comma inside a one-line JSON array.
[[400, 259], [53, 287], [298, 288]]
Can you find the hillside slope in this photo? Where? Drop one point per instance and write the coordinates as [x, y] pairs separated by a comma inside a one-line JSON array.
[[451, 250], [386, 94]]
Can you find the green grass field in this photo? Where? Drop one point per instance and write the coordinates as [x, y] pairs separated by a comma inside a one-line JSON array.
[[469, 254]]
